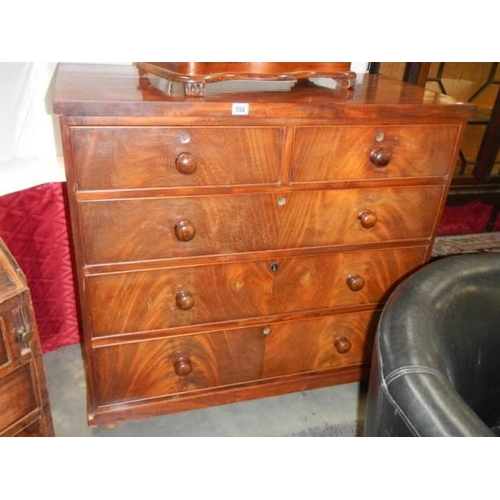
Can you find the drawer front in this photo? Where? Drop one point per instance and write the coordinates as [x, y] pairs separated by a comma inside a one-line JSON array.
[[163, 228], [155, 368], [341, 280], [160, 299], [117, 158], [17, 397], [34, 429], [323, 154]]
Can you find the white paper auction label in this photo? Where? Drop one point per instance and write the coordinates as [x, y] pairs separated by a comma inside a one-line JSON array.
[[240, 108]]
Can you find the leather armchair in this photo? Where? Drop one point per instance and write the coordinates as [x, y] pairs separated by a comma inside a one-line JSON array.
[[436, 359]]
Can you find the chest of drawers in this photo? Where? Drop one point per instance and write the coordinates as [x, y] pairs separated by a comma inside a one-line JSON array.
[[223, 257], [24, 401]]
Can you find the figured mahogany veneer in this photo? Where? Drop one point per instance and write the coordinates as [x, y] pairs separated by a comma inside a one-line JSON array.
[[117, 158], [221, 358], [222, 257], [204, 294], [382, 152], [227, 224]]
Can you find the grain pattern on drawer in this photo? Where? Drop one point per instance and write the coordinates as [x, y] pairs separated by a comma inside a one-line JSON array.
[[154, 300], [178, 364], [369, 152], [17, 397], [119, 158], [343, 279], [164, 228], [319, 344], [159, 299], [155, 368]]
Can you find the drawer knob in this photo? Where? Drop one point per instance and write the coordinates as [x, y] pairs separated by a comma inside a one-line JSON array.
[[186, 163], [342, 345], [355, 282], [184, 230], [367, 218], [380, 157], [23, 330], [184, 300], [182, 367], [26, 336]]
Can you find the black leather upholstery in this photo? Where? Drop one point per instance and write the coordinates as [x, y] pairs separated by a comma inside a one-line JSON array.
[[436, 361]]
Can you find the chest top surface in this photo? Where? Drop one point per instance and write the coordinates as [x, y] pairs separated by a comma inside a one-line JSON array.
[[83, 90]]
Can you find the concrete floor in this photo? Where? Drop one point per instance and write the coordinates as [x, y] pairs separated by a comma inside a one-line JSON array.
[[332, 411]]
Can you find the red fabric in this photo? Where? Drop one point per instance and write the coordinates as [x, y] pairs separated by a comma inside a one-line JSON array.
[[496, 226], [33, 224], [472, 217]]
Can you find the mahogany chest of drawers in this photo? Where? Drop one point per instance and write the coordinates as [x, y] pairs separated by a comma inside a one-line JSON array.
[[24, 402], [223, 257]]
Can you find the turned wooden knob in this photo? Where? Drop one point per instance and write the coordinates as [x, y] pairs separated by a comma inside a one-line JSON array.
[[184, 230], [186, 163], [342, 345], [182, 367], [355, 282], [380, 157], [184, 300], [367, 218]]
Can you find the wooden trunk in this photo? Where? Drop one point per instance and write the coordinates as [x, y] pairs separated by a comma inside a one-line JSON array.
[[24, 402]]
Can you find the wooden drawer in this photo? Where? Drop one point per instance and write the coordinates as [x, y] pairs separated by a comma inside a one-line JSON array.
[[24, 406], [161, 299], [156, 228], [34, 429], [155, 368], [17, 396], [323, 154], [130, 157]]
